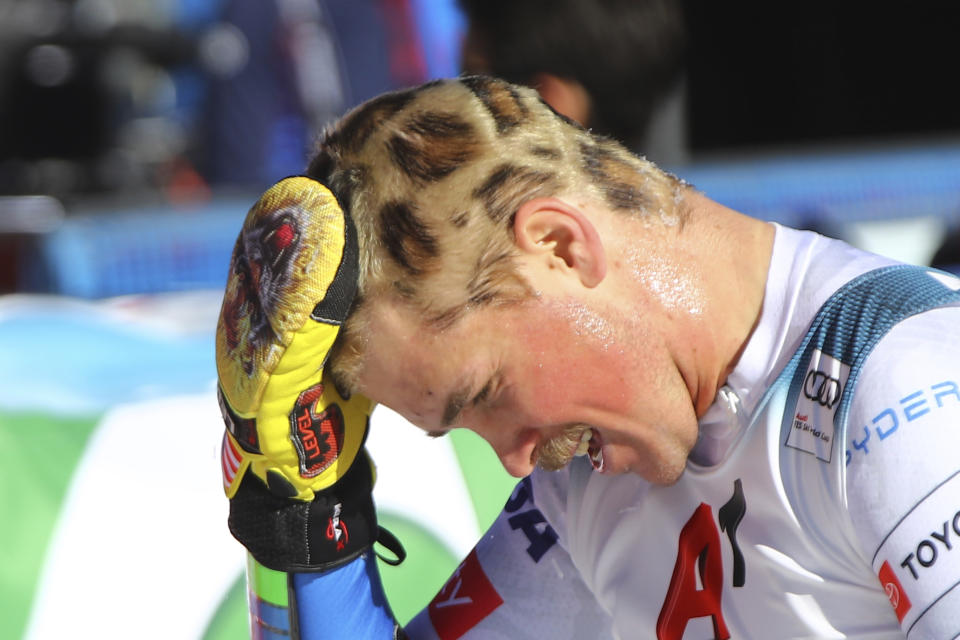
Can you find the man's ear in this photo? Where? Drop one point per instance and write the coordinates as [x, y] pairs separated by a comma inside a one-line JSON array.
[[561, 237]]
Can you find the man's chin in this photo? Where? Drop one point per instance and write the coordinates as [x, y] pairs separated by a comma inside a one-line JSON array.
[[662, 471], [664, 474]]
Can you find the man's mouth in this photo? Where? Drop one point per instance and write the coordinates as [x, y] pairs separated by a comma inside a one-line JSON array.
[[584, 447], [591, 445], [575, 440]]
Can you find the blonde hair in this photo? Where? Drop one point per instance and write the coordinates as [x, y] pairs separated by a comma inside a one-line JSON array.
[[432, 177]]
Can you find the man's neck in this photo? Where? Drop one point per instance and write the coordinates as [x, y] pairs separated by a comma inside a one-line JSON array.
[[733, 255]]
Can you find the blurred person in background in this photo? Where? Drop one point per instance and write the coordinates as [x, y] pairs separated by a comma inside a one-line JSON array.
[[97, 100], [97, 96], [112, 105], [300, 64], [615, 66], [104, 96]]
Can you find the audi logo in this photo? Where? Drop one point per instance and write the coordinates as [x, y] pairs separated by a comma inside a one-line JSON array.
[[824, 389]]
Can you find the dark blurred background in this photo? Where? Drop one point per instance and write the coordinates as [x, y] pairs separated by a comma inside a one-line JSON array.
[[133, 133], [819, 73]]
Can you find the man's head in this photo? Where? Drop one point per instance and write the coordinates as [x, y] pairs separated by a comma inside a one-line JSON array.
[[433, 177], [468, 195]]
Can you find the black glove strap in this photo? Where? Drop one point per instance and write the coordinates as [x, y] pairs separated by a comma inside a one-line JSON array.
[[286, 534], [390, 542]]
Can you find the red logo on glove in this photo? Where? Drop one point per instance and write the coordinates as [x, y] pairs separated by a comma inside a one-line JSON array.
[[466, 599], [318, 437], [337, 529]]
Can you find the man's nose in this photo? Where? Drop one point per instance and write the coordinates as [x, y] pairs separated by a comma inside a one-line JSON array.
[[517, 463], [513, 445]]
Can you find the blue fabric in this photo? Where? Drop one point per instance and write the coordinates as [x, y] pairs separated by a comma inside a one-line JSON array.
[[440, 26], [348, 602], [362, 39]]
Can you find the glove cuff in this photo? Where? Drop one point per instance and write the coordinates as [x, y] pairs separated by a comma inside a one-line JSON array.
[[294, 535]]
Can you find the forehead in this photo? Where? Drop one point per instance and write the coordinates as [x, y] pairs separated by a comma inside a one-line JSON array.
[[407, 361], [410, 365]]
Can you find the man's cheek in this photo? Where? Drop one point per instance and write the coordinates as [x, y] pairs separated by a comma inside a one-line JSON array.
[[552, 399], [556, 398]]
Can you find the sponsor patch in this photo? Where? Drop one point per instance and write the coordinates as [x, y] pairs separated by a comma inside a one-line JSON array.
[[923, 404], [812, 428], [337, 532], [466, 599], [919, 560], [318, 437], [894, 590]]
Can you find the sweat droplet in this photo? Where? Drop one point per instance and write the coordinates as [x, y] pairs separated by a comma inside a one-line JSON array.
[[587, 322], [676, 289]]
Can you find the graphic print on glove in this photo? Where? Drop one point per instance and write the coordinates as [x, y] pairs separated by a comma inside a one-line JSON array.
[[292, 279], [318, 437]]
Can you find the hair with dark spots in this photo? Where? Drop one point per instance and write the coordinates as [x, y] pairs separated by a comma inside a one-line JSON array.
[[404, 288], [432, 178], [615, 177], [483, 286], [508, 186], [460, 219], [566, 119], [548, 153], [432, 145], [355, 131], [406, 237], [501, 100], [324, 167]]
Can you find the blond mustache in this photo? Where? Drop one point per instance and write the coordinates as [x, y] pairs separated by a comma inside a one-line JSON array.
[[558, 451]]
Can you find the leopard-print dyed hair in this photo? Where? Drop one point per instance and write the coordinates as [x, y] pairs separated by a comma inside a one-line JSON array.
[[433, 176]]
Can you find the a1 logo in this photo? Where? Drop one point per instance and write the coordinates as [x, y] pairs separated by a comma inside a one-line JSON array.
[[699, 556]]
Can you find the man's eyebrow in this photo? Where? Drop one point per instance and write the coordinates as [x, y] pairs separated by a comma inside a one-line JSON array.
[[456, 401]]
